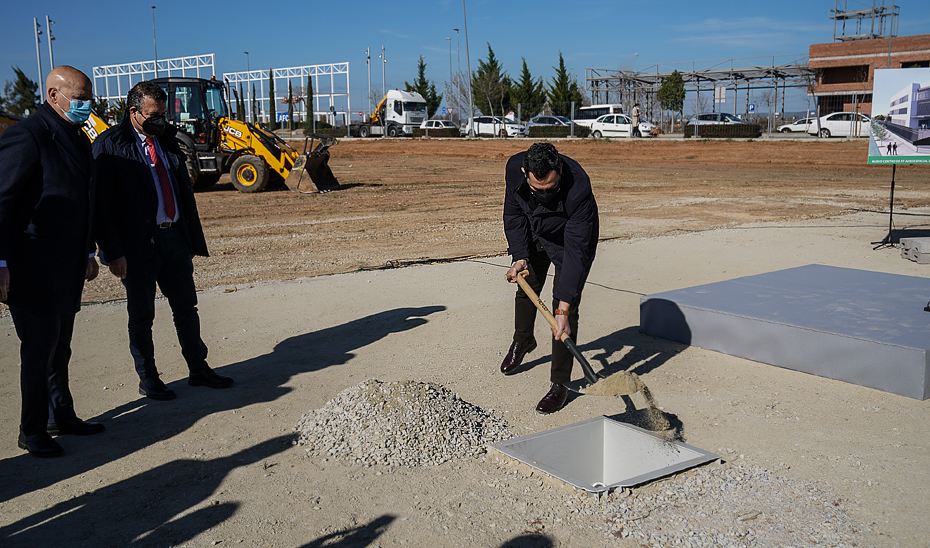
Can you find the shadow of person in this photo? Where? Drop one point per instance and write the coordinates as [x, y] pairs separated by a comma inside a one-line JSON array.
[[358, 537], [142, 422], [529, 540], [140, 509]]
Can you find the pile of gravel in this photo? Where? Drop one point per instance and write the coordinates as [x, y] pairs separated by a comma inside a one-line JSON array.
[[399, 424], [733, 505]]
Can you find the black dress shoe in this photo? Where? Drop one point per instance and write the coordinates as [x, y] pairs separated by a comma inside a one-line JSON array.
[[208, 377], [74, 426], [152, 387], [515, 355], [40, 445], [554, 400]]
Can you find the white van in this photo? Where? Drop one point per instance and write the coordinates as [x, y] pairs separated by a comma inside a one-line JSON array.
[[585, 116]]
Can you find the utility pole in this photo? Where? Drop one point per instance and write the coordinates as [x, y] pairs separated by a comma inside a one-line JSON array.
[[450, 67], [458, 71], [383, 90], [48, 28], [38, 55], [471, 106], [154, 42], [368, 63]]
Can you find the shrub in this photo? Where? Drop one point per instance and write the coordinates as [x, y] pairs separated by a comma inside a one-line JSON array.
[[557, 132], [446, 132], [726, 131]]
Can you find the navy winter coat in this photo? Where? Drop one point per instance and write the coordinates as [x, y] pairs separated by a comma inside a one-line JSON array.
[[566, 228]]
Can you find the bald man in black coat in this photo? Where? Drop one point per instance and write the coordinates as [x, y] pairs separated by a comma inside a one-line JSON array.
[[46, 252]]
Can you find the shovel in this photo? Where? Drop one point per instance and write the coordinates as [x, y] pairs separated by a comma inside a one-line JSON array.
[[622, 383], [590, 376]]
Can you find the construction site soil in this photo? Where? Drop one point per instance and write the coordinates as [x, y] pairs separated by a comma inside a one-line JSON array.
[[409, 201], [303, 452]]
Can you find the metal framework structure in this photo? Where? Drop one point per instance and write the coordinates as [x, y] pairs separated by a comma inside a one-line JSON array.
[[282, 76], [881, 18], [117, 78], [717, 77]]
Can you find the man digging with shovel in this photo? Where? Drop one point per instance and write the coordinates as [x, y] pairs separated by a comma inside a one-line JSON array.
[[550, 217]]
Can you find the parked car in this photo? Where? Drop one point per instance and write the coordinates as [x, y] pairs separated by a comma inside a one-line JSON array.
[[493, 126], [841, 124], [801, 126], [709, 118], [548, 121], [438, 124], [619, 125]]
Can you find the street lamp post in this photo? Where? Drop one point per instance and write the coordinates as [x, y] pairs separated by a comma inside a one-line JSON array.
[[458, 69], [154, 42], [383, 90], [471, 106], [38, 55], [450, 68], [368, 63], [48, 27]]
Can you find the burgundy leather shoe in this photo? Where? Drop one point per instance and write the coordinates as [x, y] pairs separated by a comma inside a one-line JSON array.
[[515, 356], [554, 400]]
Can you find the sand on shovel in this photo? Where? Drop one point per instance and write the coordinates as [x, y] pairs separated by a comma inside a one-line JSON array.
[[624, 383]]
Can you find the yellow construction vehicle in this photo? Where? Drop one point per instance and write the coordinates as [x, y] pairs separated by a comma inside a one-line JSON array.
[[253, 156], [7, 120]]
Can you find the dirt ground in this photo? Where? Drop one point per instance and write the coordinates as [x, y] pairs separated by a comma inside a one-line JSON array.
[[408, 201], [299, 301]]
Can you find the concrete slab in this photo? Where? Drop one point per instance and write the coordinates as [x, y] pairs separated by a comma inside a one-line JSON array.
[[862, 327]]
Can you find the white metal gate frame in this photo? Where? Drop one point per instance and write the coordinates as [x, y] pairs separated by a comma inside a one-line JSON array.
[[133, 73], [285, 75]]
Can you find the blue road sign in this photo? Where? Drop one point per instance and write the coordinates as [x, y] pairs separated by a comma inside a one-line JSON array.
[[752, 107]]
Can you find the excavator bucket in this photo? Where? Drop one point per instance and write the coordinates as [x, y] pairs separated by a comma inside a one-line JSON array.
[[311, 172]]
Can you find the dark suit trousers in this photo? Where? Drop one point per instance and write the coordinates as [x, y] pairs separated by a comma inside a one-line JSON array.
[[45, 351], [525, 316], [170, 266]]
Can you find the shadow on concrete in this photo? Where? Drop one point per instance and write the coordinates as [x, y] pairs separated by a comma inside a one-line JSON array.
[[143, 422], [142, 510], [359, 537]]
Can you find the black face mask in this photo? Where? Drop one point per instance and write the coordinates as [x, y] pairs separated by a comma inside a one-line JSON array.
[[155, 125], [545, 196]]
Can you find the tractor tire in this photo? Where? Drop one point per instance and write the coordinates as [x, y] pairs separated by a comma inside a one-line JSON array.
[[825, 133], [190, 161], [206, 180], [249, 174], [596, 135], [392, 131], [364, 131]]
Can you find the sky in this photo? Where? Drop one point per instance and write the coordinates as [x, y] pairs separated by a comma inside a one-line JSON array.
[[589, 34]]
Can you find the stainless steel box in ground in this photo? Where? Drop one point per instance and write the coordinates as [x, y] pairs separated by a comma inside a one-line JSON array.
[[601, 453]]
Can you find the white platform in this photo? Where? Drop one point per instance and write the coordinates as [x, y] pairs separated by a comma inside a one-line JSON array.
[[862, 327]]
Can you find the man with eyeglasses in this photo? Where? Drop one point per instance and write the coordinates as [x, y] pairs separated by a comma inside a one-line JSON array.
[[148, 231], [550, 217], [47, 252]]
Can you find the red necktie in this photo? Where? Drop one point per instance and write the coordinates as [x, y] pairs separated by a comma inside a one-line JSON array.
[[163, 179]]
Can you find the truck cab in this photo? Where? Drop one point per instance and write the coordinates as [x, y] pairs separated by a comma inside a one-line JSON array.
[[397, 114]]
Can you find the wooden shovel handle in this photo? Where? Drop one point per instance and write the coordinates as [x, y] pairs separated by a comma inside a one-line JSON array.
[[525, 285]]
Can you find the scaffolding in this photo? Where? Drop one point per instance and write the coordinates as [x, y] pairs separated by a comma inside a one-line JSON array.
[[337, 105], [111, 80], [881, 20], [716, 79]]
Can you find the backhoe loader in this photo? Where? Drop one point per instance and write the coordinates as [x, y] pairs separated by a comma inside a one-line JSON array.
[[253, 156]]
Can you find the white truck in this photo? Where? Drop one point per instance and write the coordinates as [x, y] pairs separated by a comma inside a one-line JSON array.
[[396, 115]]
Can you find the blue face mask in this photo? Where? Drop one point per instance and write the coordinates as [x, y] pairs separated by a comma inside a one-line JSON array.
[[79, 111]]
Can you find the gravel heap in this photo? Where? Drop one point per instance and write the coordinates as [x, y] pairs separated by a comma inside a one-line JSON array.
[[399, 424], [726, 504]]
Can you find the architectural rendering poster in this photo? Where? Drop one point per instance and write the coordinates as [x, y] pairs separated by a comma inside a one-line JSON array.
[[900, 132]]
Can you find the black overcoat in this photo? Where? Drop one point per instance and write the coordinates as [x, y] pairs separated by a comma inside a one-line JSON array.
[[566, 229], [127, 201], [46, 211]]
